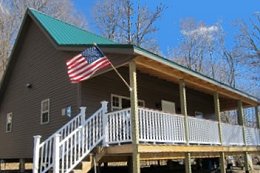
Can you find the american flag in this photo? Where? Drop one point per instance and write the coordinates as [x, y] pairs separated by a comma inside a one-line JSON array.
[[85, 64]]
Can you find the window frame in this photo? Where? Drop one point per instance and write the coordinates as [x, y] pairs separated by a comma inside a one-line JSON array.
[[119, 107], [45, 111], [11, 123]]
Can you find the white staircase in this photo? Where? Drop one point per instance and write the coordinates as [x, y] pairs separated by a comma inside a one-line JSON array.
[[67, 147]]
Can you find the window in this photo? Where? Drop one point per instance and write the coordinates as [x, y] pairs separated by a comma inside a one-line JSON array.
[[121, 102], [45, 111], [9, 122]]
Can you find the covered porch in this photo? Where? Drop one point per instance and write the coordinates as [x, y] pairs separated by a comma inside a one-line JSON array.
[[175, 128]]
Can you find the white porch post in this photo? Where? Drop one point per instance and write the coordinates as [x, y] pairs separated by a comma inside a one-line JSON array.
[[56, 154], [134, 117], [36, 153], [105, 121], [241, 120], [217, 112]]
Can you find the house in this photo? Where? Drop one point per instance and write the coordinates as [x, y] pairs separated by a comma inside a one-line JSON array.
[[170, 112]]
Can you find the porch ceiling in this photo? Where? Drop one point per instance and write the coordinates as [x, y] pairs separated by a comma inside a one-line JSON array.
[[166, 72]]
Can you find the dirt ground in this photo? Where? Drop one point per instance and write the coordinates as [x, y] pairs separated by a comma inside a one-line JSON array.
[[238, 170]]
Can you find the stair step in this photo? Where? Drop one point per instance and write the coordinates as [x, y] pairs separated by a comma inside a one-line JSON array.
[[84, 166], [77, 171]]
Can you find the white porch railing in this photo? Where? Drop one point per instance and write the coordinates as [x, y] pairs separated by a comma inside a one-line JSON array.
[[118, 127], [252, 136], [232, 134], [157, 126], [203, 131]]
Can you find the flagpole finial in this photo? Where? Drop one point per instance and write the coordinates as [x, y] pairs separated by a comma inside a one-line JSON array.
[[95, 44]]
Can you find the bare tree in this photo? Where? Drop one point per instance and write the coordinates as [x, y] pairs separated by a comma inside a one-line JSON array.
[[248, 52], [12, 12], [230, 59], [200, 47], [249, 41], [127, 22]]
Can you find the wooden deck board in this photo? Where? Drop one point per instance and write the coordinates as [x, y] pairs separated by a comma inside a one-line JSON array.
[[169, 151]]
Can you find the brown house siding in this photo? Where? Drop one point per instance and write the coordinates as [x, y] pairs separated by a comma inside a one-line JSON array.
[[150, 89], [100, 88], [40, 64]]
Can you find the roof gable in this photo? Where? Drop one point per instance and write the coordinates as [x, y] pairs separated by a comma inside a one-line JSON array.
[[65, 34]]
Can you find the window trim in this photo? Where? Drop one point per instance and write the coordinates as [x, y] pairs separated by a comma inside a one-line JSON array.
[[11, 127], [119, 107], [46, 111]]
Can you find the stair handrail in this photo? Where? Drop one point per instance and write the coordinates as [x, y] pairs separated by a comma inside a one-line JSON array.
[[76, 146], [45, 153], [47, 144]]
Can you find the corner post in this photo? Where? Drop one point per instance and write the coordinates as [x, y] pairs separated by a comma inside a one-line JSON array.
[[56, 153], [241, 120], [217, 112], [105, 122], [257, 115], [36, 153], [134, 117], [83, 114]]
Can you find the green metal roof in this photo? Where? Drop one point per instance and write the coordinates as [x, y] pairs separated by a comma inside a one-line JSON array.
[[65, 34]]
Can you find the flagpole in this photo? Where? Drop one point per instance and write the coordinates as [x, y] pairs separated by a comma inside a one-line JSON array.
[[117, 72]]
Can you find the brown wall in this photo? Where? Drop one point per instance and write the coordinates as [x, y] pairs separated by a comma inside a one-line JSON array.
[[100, 88], [150, 89], [40, 64]]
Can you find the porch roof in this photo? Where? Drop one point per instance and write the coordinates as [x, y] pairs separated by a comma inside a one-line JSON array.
[[169, 70]]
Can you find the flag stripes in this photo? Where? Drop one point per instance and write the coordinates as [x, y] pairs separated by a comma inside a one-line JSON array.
[[80, 69]]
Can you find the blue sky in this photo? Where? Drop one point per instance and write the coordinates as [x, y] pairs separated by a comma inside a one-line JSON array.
[[225, 12]]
